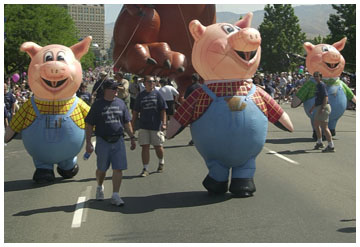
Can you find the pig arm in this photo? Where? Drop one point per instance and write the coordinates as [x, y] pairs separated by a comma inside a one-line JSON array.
[[349, 94], [276, 114], [183, 115]]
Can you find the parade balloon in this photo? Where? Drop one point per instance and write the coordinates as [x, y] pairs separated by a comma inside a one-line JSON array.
[[24, 73], [301, 67], [301, 71], [55, 136], [153, 39], [228, 114], [327, 60], [15, 77]]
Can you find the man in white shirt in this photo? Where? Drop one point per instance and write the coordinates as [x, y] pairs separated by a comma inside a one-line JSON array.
[[170, 95]]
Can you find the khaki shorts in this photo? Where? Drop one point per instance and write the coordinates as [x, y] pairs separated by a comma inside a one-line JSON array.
[[152, 137], [324, 116]]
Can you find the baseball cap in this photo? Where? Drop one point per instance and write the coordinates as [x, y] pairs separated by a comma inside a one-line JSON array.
[[103, 73], [110, 84]]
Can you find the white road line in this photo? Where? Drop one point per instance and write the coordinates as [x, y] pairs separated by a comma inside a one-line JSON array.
[[282, 157], [76, 223]]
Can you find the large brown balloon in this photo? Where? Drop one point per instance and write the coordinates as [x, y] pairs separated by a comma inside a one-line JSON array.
[[155, 39]]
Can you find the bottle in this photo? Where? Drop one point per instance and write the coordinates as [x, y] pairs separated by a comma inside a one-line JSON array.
[[86, 155]]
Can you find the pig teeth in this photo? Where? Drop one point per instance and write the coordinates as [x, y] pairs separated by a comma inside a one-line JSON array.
[[332, 65], [54, 84], [247, 56]]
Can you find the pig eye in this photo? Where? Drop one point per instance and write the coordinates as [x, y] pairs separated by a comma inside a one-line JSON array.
[[48, 56], [61, 56], [228, 29], [325, 48]]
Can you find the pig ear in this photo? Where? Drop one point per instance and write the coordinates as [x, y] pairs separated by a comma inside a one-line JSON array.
[[246, 21], [30, 48], [308, 47], [196, 29], [340, 44], [81, 48]]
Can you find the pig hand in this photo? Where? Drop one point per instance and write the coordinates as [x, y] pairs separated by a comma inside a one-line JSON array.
[[285, 123], [173, 128], [295, 102], [9, 134]]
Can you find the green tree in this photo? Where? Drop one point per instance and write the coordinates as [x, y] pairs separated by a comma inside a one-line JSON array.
[[42, 24], [343, 24], [281, 35]]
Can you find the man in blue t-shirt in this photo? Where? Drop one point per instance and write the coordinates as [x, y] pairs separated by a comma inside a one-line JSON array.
[[110, 117], [322, 111], [152, 109]]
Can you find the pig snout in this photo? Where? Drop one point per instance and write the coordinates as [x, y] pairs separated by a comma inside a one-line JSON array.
[[331, 57], [247, 39], [54, 73]]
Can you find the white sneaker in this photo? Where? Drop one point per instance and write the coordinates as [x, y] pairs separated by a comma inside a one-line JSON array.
[[100, 193], [116, 200]]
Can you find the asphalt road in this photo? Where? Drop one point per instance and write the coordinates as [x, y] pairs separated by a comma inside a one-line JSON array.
[[302, 196]]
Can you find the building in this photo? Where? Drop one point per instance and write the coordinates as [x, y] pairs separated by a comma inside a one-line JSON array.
[[90, 20]]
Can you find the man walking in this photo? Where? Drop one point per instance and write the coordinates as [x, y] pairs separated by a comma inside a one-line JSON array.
[[152, 108], [111, 117]]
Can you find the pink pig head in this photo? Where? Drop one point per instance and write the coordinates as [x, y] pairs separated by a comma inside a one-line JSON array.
[[55, 71], [226, 51], [325, 58]]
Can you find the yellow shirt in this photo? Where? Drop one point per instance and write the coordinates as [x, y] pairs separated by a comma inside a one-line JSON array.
[[26, 114]]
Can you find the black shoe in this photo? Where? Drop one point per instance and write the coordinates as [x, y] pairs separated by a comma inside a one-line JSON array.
[[314, 136], [42, 176], [333, 132], [68, 173], [215, 187], [191, 143], [242, 187]]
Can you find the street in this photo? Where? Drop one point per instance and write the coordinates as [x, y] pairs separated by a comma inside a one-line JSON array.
[[302, 196]]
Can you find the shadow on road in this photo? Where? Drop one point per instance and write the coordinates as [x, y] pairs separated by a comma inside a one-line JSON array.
[[289, 140], [141, 204]]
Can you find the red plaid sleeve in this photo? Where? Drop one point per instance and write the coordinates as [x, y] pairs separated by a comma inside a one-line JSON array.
[[185, 112], [274, 110]]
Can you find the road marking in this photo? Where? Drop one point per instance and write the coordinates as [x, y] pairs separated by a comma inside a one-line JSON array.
[[283, 157], [76, 223]]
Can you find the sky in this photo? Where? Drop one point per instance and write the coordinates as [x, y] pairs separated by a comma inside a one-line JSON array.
[[112, 10]]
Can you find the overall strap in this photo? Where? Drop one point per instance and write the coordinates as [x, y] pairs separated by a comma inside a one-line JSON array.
[[72, 107], [37, 112], [209, 92]]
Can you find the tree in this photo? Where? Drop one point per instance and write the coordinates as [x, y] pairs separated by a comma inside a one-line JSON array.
[[281, 35], [343, 24], [42, 24]]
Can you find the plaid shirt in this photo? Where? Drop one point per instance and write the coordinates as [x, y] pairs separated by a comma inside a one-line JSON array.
[[26, 114], [198, 101]]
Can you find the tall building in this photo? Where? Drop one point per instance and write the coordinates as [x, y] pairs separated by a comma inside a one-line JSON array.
[[90, 20]]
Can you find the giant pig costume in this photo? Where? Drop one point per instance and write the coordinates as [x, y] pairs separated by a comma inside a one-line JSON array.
[[228, 114], [327, 60], [52, 121]]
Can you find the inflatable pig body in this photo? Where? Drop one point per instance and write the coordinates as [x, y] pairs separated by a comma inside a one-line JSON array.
[[228, 114], [52, 121], [327, 60]]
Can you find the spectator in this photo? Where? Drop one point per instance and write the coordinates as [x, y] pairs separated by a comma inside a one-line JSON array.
[[9, 100], [170, 95], [97, 90], [152, 109], [110, 117], [123, 89], [84, 94]]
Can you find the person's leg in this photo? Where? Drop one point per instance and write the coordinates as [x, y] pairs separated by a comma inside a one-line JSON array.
[[100, 177], [317, 129], [145, 154], [159, 152], [116, 180]]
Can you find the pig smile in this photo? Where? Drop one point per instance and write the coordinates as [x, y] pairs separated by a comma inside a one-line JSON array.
[[54, 84], [332, 65], [247, 56]]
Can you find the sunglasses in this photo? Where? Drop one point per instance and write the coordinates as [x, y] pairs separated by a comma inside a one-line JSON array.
[[151, 81]]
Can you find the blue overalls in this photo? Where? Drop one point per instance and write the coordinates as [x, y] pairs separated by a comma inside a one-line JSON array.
[[230, 139], [53, 139], [337, 100]]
